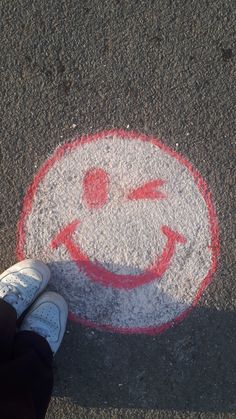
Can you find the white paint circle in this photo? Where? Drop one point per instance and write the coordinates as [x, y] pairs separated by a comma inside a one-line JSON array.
[[127, 227]]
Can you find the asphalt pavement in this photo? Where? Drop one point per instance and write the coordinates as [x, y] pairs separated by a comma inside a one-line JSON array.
[[159, 67]]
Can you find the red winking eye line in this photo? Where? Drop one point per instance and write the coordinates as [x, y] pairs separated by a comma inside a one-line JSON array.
[[148, 191]]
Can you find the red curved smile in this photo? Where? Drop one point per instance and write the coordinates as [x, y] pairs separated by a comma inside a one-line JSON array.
[[99, 274]]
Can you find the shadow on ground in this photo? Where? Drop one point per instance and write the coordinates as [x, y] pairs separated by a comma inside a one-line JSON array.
[[189, 367]]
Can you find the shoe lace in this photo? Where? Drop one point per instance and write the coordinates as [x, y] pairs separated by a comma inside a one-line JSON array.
[[13, 291], [10, 293]]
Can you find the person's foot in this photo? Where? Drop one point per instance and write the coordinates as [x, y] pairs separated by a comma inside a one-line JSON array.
[[22, 283], [47, 317]]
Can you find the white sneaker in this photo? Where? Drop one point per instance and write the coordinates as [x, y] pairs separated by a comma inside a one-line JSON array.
[[22, 283], [48, 317]]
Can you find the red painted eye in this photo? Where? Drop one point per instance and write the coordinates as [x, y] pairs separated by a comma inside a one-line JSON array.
[[148, 191], [95, 188]]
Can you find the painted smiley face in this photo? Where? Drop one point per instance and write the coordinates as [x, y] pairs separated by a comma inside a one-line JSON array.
[[128, 228], [96, 194]]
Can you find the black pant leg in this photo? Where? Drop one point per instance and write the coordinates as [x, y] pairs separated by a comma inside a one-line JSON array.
[[25, 370], [37, 357], [13, 405], [7, 330]]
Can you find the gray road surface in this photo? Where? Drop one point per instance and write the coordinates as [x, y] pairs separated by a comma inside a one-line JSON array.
[[160, 67]]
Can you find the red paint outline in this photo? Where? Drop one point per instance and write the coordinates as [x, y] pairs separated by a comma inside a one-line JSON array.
[[200, 183]]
